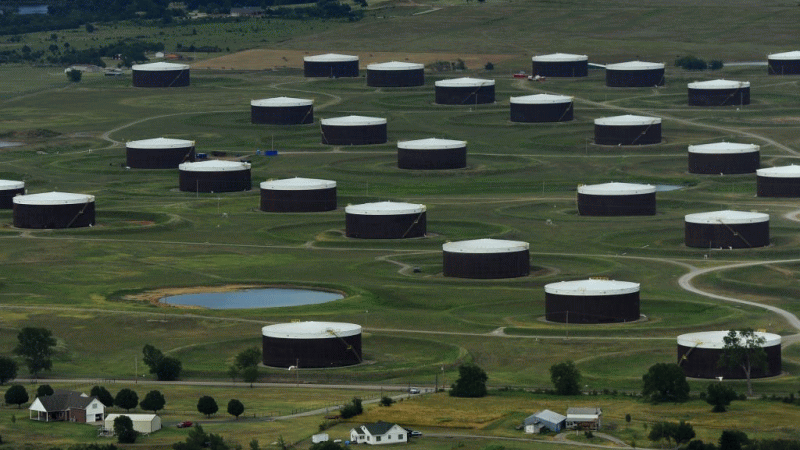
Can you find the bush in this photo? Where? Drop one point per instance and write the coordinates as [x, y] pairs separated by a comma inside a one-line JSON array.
[[691, 63], [715, 64], [386, 401], [74, 75], [352, 409]]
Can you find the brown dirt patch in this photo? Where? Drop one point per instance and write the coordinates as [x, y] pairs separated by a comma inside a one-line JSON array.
[[266, 59], [155, 295]]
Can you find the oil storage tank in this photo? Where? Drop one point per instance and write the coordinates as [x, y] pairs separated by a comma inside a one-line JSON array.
[[787, 63], [783, 181], [560, 65], [592, 301], [214, 176], [617, 199], [160, 74], [395, 74], [158, 153], [699, 355], [353, 130], [432, 154], [635, 74], [311, 344], [331, 65], [53, 210], [719, 93], [464, 91], [541, 108], [282, 111], [298, 195], [727, 229], [724, 158], [627, 130], [486, 259], [385, 220], [8, 190]]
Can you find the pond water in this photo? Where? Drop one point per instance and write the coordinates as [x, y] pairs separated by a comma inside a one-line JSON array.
[[668, 187], [253, 298]]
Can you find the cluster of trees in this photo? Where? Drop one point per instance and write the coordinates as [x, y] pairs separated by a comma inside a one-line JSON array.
[[352, 409], [245, 365], [695, 63], [322, 9], [198, 439], [129, 51], [471, 382], [681, 432], [166, 368], [208, 406]]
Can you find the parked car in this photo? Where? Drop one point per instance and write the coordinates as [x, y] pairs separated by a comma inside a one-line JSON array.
[[415, 433], [413, 391], [185, 424]]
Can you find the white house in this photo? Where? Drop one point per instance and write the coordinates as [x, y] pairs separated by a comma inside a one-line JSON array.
[[143, 423], [584, 418], [67, 406], [379, 433]]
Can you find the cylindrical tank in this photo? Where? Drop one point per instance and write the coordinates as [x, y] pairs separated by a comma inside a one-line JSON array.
[[158, 153], [627, 130], [635, 74], [53, 210], [385, 220], [214, 176], [781, 181], [699, 355], [464, 91], [592, 301], [617, 199], [302, 345], [787, 63], [486, 259], [724, 158], [395, 74], [8, 190], [560, 65], [727, 229], [541, 108], [298, 195], [432, 154], [331, 65], [719, 93], [282, 111], [160, 74], [353, 130]]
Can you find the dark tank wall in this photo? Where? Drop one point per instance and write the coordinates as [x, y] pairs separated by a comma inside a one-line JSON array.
[[394, 226], [617, 205], [467, 95], [395, 78], [451, 158], [7, 197], [227, 181], [312, 353], [627, 134], [354, 135], [719, 97], [282, 115], [561, 68], [338, 69], [721, 163], [635, 78], [158, 158], [541, 112], [592, 308], [161, 78], [703, 363], [73, 215], [308, 200], [747, 235], [486, 265], [783, 67], [777, 186]]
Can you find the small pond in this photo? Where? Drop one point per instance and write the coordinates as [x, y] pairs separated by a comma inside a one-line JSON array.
[[253, 298], [668, 187]]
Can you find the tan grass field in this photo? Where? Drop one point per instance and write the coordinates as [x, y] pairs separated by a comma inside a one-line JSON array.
[[266, 59]]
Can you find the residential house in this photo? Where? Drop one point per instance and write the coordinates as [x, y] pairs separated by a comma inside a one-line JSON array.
[[584, 418], [379, 433], [68, 406]]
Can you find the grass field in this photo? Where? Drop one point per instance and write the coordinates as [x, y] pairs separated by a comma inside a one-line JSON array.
[[520, 184]]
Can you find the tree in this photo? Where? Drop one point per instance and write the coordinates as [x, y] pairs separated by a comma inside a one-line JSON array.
[[732, 440], [16, 395], [36, 347], [566, 378], [103, 395], [89, 28], [489, 66], [250, 374], [153, 401], [352, 409], [248, 358], [745, 349], [152, 356], [683, 433], [207, 405], [700, 445], [8, 369], [123, 428], [74, 75], [665, 382], [720, 396], [386, 401], [235, 408], [168, 369], [471, 382], [43, 390], [126, 399], [662, 431], [326, 445]]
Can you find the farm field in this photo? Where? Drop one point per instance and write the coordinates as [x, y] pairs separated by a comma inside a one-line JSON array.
[[94, 287]]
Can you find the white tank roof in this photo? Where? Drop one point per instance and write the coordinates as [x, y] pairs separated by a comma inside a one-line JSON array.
[[395, 65], [635, 65], [719, 84], [160, 142], [385, 209], [591, 287], [780, 172], [311, 330], [785, 55], [353, 121], [627, 120], [281, 102], [723, 148], [330, 57], [464, 82], [214, 165], [431, 144], [537, 99], [53, 198], [617, 189], [159, 67], [715, 339], [297, 184], [8, 185], [560, 57], [727, 217], [485, 246]]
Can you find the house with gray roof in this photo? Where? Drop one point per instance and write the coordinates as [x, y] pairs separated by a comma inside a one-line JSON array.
[[67, 406], [553, 421], [379, 433]]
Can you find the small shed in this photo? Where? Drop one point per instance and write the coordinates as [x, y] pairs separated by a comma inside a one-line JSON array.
[[553, 421], [143, 423], [320, 437]]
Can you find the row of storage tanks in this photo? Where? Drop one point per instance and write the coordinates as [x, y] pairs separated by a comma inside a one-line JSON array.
[[407, 74], [335, 344]]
